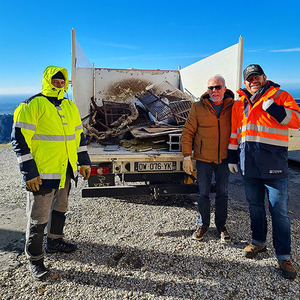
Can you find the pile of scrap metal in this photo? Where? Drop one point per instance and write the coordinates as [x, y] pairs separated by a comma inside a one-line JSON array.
[[158, 111]]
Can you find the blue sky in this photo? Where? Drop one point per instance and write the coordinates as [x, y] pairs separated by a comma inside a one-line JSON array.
[[146, 35]]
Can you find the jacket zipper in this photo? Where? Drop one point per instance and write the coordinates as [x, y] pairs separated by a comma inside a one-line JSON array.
[[219, 140]]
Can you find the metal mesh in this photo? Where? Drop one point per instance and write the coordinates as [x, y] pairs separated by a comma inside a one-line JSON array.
[[180, 110], [157, 107]]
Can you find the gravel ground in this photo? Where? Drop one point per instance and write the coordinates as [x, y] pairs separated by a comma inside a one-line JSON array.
[[140, 248]]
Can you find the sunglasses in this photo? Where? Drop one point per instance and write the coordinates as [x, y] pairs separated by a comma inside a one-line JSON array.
[[217, 87]]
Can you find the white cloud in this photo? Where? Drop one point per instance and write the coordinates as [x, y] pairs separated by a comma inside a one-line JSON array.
[[287, 50]]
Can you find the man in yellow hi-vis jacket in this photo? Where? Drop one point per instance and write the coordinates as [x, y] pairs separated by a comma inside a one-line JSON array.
[[48, 139]]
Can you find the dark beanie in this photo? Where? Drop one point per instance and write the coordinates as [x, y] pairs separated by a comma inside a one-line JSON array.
[[58, 75]]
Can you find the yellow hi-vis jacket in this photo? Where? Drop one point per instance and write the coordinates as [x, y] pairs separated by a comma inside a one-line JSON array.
[[47, 134]]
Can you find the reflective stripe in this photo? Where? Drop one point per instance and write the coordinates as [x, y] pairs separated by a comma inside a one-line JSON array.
[[277, 94], [261, 139], [288, 117], [50, 175], [24, 158], [46, 137], [58, 138], [65, 123], [79, 127], [24, 125], [233, 135], [58, 108], [81, 149], [233, 147], [261, 128], [70, 137], [62, 116], [75, 173]]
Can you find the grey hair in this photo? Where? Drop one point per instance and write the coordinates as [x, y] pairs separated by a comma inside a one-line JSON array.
[[218, 76]]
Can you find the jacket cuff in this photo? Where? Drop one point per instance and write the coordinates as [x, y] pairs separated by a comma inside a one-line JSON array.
[[233, 156], [276, 111]]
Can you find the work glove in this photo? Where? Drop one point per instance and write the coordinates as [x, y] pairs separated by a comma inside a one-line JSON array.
[[34, 184], [85, 171], [273, 109], [233, 168], [188, 165], [266, 104]]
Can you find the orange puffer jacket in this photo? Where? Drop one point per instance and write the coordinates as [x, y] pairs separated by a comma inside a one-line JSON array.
[[209, 133]]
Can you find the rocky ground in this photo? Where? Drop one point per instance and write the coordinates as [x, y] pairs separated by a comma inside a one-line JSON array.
[[140, 248]]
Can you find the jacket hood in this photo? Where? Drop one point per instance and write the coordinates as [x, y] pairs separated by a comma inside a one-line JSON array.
[[50, 90]]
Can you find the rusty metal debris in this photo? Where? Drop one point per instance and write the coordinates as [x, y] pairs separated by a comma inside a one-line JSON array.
[[114, 120], [180, 110]]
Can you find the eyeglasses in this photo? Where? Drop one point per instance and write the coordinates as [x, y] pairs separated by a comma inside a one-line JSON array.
[[217, 87]]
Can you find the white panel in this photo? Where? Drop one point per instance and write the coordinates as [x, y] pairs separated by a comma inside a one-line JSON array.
[[194, 78], [84, 90]]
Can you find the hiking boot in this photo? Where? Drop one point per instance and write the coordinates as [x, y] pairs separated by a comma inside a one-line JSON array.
[[287, 269], [59, 245], [224, 235], [38, 269], [199, 233], [252, 250]]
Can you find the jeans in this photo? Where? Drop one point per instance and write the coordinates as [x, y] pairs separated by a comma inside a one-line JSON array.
[[277, 193], [204, 178]]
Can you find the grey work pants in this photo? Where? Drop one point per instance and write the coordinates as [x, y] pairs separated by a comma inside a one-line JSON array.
[[45, 209]]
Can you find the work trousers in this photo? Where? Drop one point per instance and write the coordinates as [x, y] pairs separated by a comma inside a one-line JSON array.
[[204, 177], [45, 207], [277, 193]]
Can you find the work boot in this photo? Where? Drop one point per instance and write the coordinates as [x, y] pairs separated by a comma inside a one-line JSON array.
[[59, 245], [38, 269], [199, 233], [252, 250], [224, 235], [287, 269]]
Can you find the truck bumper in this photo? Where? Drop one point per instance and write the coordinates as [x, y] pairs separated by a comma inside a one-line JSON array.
[[152, 190]]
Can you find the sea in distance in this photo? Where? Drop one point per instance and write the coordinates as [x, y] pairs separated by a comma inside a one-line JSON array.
[[8, 103]]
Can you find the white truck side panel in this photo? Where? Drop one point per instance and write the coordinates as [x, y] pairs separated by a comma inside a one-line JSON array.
[[227, 63], [84, 90], [124, 84]]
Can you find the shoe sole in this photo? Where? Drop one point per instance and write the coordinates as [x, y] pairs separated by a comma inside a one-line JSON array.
[[226, 240], [288, 275], [39, 278], [198, 239], [253, 254]]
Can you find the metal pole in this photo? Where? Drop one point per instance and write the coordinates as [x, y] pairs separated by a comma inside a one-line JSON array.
[[73, 63]]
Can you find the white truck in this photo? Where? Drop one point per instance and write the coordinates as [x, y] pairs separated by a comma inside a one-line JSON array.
[[154, 172]]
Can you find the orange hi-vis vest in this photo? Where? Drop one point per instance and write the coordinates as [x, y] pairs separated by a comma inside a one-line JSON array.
[[260, 136]]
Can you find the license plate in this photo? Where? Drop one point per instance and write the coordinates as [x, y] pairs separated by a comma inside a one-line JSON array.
[[155, 166]]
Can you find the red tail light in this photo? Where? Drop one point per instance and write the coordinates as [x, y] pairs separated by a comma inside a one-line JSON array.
[[105, 170], [99, 170]]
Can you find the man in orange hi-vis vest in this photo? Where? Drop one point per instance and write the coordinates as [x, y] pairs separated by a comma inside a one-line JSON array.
[[259, 142]]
